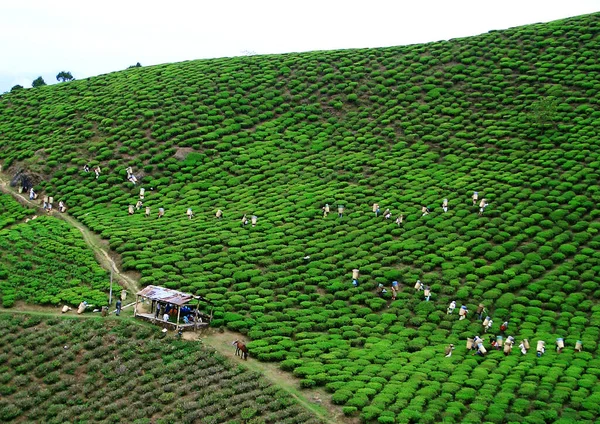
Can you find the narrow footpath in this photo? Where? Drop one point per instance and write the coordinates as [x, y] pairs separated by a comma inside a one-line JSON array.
[[316, 400]]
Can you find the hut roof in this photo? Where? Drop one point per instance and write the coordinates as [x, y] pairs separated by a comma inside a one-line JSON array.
[[163, 294]]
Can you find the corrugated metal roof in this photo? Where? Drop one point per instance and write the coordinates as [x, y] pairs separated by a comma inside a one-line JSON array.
[[163, 294]]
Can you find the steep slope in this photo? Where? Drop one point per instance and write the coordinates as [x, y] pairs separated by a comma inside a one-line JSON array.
[[512, 115]]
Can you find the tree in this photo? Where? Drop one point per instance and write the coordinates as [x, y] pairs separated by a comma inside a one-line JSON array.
[[64, 76], [137, 65], [16, 87], [38, 82]]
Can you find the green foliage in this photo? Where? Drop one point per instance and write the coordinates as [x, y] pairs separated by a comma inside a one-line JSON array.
[[406, 127], [89, 369], [38, 82]]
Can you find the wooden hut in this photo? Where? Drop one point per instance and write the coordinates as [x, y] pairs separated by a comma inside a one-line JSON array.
[[163, 296]]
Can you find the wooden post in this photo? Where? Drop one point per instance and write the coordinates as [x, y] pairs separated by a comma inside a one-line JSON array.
[[135, 307], [178, 313]]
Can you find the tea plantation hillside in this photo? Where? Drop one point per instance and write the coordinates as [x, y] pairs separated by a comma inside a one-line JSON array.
[[43, 260], [512, 115], [57, 371]]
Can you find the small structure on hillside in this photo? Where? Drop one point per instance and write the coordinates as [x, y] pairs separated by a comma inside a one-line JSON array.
[[172, 303]]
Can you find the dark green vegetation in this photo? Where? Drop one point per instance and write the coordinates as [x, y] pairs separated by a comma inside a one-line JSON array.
[[511, 114], [80, 371], [45, 261]]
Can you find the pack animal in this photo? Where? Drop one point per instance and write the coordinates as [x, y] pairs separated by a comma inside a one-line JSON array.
[[240, 349]]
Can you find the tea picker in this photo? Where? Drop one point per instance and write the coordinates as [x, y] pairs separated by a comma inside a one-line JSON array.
[[161, 213], [419, 285], [524, 346], [253, 219], [480, 310], [189, 213], [399, 220], [376, 209], [325, 210], [139, 205], [131, 211], [451, 307], [340, 211], [61, 207], [448, 350], [425, 210], [475, 197], [427, 293], [244, 220], [142, 193], [578, 346], [508, 345], [463, 311], [560, 344], [487, 324], [394, 289], [381, 290], [504, 326], [387, 214], [219, 214], [445, 205], [147, 211], [355, 273], [541, 348]]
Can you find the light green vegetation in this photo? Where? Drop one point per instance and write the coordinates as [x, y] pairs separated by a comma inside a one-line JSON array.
[[511, 114]]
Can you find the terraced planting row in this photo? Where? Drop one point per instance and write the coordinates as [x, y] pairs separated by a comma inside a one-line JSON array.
[[511, 114], [45, 261], [56, 370]]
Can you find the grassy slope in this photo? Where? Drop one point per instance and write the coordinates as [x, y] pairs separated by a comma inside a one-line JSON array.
[[279, 136], [70, 370]]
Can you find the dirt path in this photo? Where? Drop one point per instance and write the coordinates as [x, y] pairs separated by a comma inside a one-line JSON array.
[[316, 400], [98, 246]]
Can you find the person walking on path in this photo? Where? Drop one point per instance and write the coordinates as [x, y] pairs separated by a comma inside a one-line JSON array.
[[118, 304]]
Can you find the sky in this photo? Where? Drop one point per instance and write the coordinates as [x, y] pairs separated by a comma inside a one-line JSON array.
[[87, 38]]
